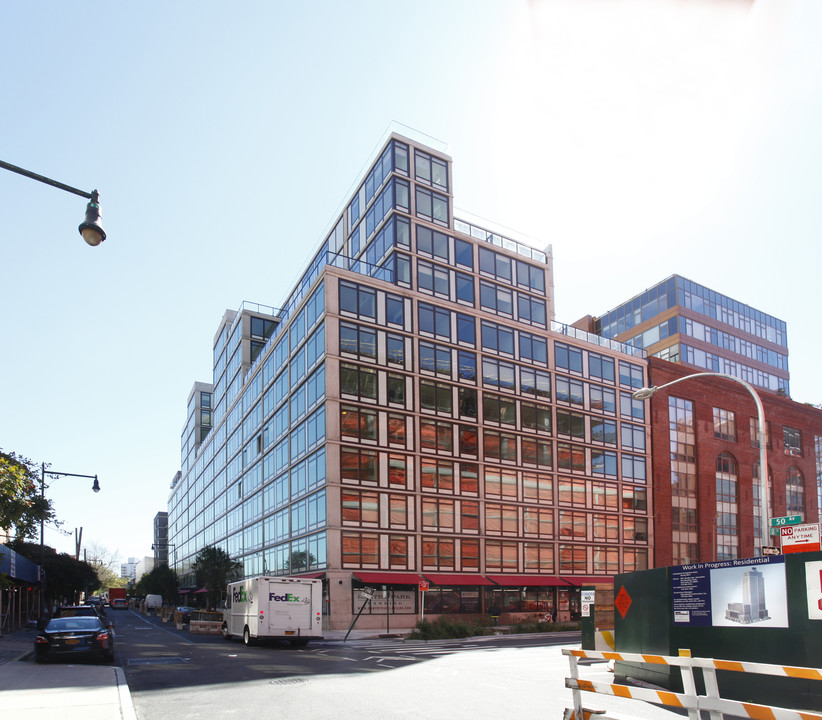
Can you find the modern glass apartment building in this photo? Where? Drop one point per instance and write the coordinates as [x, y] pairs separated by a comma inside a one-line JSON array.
[[413, 414], [681, 321]]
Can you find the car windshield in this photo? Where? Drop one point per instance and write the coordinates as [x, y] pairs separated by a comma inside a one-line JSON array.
[[68, 611], [74, 623]]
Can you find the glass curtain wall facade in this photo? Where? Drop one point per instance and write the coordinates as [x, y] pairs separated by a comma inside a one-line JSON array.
[[681, 321], [412, 412]]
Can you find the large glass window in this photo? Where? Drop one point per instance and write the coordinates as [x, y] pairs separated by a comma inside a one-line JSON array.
[[794, 492], [432, 206], [497, 338], [535, 417], [358, 340], [568, 358], [437, 397], [358, 466], [437, 475], [727, 508], [724, 425], [435, 359], [433, 279], [358, 422], [792, 439], [432, 243], [359, 381], [434, 320], [358, 300], [360, 550], [497, 299], [360, 507], [601, 367], [430, 170]]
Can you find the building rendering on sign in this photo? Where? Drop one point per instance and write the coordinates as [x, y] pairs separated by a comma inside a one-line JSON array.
[[684, 322], [412, 413], [752, 608]]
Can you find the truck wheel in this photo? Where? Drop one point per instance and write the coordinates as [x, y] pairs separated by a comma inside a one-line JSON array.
[[300, 642], [246, 636], [226, 634]]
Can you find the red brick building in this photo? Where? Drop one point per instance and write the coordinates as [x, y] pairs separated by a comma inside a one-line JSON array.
[[706, 466]]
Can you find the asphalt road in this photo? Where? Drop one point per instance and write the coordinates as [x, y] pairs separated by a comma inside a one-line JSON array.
[[173, 675]]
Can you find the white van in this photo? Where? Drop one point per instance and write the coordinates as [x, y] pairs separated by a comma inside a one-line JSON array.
[[154, 602], [276, 608]]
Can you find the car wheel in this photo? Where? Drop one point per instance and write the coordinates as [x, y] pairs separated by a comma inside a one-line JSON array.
[[246, 636], [39, 658]]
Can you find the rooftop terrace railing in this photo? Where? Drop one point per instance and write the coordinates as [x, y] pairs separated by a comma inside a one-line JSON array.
[[573, 332]]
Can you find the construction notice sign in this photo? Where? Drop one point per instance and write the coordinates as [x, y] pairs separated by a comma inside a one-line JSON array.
[[800, 538]]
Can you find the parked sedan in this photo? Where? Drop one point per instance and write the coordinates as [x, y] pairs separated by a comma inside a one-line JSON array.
[[75, 636], [185, 613]]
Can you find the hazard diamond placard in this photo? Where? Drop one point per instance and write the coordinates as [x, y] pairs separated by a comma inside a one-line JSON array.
[[622, 601]]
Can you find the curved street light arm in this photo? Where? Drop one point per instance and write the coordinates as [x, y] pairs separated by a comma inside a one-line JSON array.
[[764, 496]]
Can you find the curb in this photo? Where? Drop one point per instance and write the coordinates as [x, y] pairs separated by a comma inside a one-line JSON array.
[[126, 704]]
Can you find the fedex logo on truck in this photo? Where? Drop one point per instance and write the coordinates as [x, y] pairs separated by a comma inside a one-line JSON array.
[[287, 597], [239, 595]]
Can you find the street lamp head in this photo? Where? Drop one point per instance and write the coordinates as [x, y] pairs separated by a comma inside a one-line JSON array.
[[91, 228], [645, 393], [96, 486]]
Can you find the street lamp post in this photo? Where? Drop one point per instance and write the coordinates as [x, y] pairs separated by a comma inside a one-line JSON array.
[[764, 497], [95, 487], [91, 228]]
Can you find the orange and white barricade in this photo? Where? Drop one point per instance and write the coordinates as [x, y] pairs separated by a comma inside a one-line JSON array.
[[687, 700]]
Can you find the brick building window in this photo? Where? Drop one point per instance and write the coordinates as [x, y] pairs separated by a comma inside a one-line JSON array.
[[724, 425], [727, 508], [794, 492], [792, 439]]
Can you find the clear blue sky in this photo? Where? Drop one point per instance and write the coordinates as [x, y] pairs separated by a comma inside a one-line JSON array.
[[639, 139]]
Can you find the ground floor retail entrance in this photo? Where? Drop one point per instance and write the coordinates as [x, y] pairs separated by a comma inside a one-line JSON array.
[[398, 600]]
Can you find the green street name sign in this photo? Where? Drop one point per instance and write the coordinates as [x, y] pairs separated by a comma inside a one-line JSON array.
[[787, 520]]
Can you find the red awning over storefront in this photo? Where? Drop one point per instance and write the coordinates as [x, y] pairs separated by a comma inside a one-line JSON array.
[[201, 590], [440, 579], [310, 576], [378, 578], [580, 580], [182, 592], [527, 580]]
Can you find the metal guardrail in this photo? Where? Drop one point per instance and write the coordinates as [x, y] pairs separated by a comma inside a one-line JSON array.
[[688, 700]]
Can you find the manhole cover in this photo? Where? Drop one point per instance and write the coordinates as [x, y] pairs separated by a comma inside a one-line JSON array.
[[157, 660], [289, 681]]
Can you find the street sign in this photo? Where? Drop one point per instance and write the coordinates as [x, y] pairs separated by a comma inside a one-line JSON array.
[[770, 550], [366, 593], [786, 520], [800, 538], [424, 585]]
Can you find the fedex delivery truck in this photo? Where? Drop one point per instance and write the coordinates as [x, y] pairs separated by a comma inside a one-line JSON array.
[[275, 608]]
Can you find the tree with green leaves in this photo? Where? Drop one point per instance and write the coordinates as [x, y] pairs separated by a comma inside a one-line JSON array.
[[162, 580], [300, 561], [21, 506], [214, 569]]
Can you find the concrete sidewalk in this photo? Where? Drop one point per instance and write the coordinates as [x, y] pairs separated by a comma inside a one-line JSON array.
[[35, 692]]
